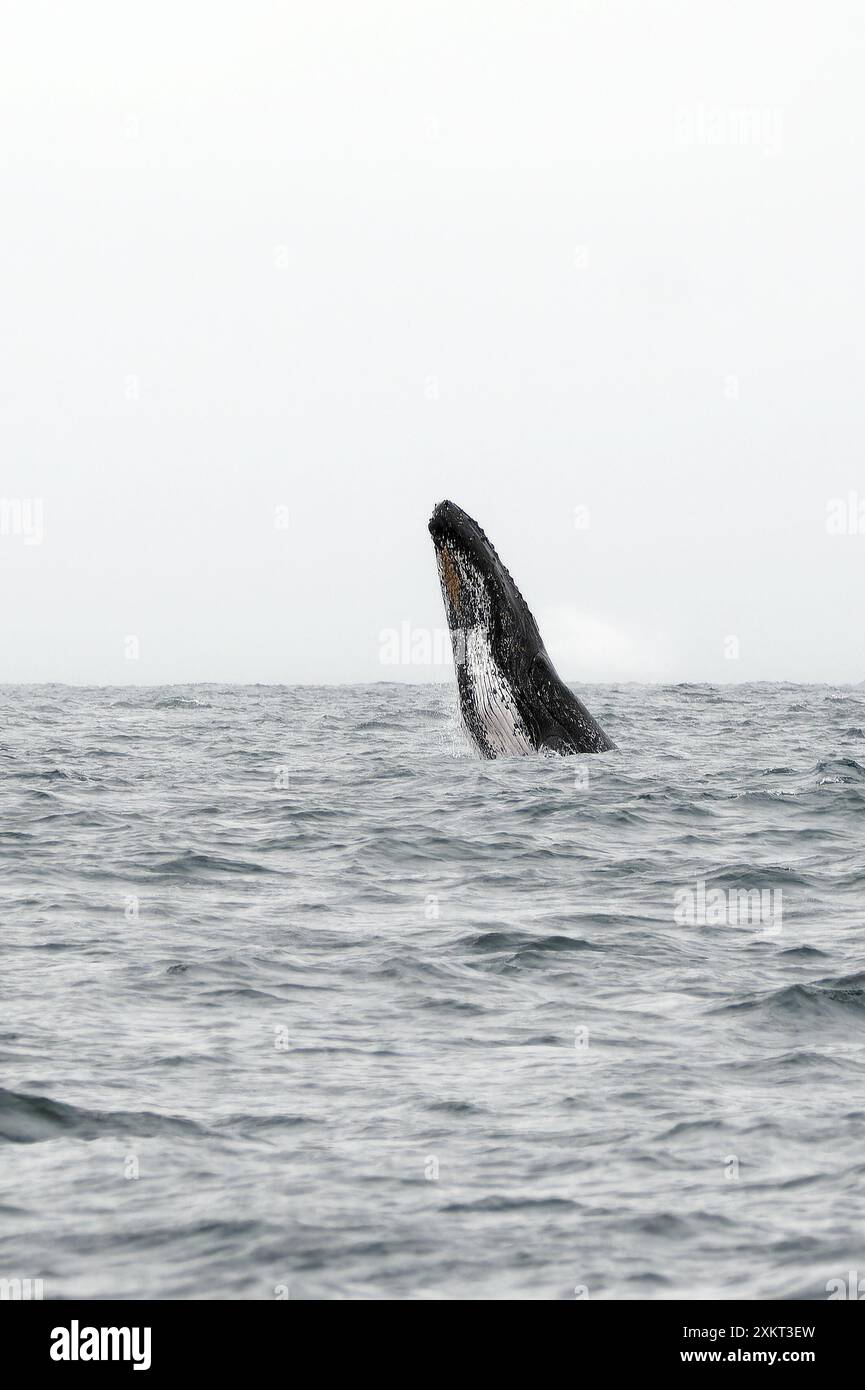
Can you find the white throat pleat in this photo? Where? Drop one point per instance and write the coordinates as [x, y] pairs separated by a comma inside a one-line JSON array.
[[494, 698]]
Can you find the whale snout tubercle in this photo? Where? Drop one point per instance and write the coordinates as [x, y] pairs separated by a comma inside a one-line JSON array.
[[443, 513]]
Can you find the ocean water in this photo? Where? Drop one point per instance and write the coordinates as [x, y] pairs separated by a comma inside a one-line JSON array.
[[299, 999]]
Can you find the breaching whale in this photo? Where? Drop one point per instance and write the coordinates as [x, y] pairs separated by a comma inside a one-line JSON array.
[[511, 699]]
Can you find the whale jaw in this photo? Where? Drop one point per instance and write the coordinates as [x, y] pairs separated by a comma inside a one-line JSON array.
[[512, 702]]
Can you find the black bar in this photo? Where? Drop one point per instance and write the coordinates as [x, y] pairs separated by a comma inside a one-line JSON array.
[[227, 1338]]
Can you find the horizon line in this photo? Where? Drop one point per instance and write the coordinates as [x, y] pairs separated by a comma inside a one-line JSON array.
[[338, 685]]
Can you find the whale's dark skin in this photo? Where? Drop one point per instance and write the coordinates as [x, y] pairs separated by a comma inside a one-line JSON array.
[[511, 699]]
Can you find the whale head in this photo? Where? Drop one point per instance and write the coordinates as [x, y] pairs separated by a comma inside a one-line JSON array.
[[511, 700]]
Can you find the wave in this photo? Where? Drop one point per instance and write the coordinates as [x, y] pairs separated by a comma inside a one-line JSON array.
[[504, 1204], [839, 770], [30, 1119], [194, 862], [819, 999], [521, 941], [180, 702]]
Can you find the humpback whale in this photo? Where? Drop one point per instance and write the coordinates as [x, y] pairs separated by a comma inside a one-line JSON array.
[[511, 699]]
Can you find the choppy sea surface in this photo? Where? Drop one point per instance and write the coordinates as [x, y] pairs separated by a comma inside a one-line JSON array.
[[298, 999]]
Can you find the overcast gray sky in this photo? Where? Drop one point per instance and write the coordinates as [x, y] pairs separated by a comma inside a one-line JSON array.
[[275, 278]]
